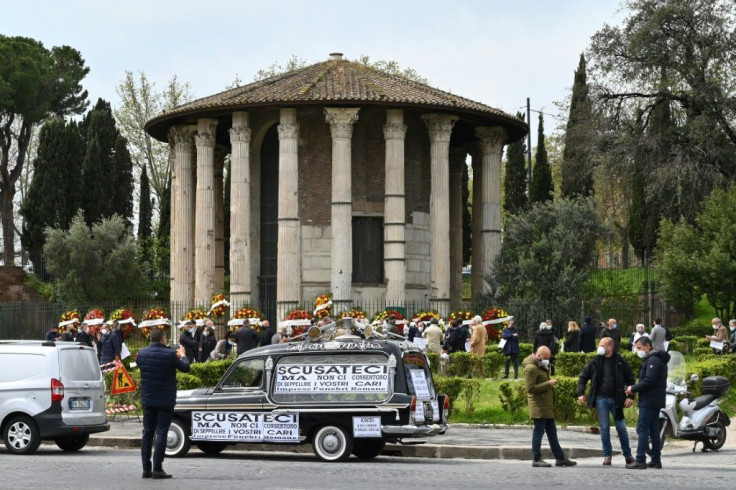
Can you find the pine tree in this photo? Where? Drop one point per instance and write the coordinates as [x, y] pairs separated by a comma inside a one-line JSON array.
[[542, 187], [577, 165], [514, 185], [53, 196]]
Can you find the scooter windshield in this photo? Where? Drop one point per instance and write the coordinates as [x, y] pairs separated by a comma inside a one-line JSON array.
[[676, 368]]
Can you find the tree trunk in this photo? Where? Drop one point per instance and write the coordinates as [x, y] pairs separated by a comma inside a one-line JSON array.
[[625, 247], [6, 210]]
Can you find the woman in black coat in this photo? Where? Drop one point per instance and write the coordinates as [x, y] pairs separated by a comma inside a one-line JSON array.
[[207, 343], [572, 340]]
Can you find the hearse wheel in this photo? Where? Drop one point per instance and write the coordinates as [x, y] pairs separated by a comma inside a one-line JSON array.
[[368, 448], [332, 443], [177, 440], [211, 447]]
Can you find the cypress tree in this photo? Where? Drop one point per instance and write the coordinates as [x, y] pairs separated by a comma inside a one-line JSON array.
[[577, 166], [514, 185], [641, 234], [467, 220], [542, 187], [144, 217], [123, 188]]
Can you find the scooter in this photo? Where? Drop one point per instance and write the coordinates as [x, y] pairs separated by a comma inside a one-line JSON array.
[[702, 418]]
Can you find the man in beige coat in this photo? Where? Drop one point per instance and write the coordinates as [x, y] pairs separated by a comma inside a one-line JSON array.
[[435, 337], [479, 337], [540, 395]]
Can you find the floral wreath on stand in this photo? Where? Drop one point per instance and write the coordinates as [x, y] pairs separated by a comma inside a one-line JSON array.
[[383, 315], [461, 315], [298, 315], [354, 313], [494, 329], [197, 315], [427, 315], [219, 305], [253, 316], [68, 318], [94, 318], [155, 317], [322, 305], [126, 320]]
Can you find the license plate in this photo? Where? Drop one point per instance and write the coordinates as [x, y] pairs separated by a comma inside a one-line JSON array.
[[79, 404]]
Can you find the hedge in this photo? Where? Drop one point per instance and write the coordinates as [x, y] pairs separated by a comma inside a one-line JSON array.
[[697, 331], [513, 398], [454, 387], [572, 363], [714, 366], [685, 343]]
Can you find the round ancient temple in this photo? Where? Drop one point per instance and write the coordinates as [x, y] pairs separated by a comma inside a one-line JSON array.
[[343, 179]]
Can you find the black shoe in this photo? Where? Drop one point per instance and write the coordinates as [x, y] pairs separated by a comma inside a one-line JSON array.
[[565, 462], [539, 463], [506, 377], [147, 474], [160, 475], [653, 464], [636, 466]]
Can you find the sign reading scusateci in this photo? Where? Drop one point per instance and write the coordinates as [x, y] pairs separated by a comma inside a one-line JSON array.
[[332, 378]]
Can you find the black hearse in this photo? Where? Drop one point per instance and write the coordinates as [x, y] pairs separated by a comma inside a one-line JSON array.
[[345, 395]]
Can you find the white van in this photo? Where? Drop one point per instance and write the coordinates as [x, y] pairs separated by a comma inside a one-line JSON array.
[[49, 391]]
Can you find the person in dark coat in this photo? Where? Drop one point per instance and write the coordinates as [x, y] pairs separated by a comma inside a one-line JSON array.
[[613, 331], [68, 335], [511, 349], [53, 334], [189, 338], [117, 330], [246, 338], [459, 333], [572, 341], [207, 343], [652, 390], [268, 333], [609, 375], [83, 337], [588, 336], [546, 337], [158, 365], [109, 345], [413, 332]]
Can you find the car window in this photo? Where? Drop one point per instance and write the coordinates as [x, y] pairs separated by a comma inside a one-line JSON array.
[[79, 365], [16, 367], [246, 374], [418, 377], [332, 377]]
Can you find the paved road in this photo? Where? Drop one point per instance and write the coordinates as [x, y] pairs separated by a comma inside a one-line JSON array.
[[112, 468]]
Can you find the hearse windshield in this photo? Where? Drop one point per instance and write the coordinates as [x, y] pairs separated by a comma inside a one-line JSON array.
[[418, 378], [332, 377]]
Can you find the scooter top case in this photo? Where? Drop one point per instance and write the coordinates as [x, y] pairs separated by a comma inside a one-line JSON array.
[[715, 385]]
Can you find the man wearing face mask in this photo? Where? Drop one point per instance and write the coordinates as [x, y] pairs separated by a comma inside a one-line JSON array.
[[540, 396], [613, 331], [732, 338], [546, 337], [640, 332], [189, 339], [652, 390], [609, 375], [720, 335], [83, 336], [110, 345]]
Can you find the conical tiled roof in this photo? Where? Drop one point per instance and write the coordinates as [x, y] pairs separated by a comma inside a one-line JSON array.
[[340, 82]]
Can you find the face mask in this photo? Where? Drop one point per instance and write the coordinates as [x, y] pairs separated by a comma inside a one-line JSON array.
[[601, 351], [103, 331], [205, 333], [549, 327], [641, 353], [732, 328], [231, 342], [615, 326], [715, 327], [544, 363]]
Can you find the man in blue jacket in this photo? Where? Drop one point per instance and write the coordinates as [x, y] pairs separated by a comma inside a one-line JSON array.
[[158, 365], [652, 389]]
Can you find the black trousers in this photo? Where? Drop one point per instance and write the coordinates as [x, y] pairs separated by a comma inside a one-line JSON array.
[[156, 422]]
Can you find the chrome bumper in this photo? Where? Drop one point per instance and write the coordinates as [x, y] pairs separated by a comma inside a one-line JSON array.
[[414, 430]]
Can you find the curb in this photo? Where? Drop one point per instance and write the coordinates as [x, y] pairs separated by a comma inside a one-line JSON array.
[[431, 451]]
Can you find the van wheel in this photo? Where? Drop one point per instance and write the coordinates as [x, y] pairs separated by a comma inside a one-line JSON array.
[[332, 443], [21, 435], [72, 443], [368, 448], [177, 440], [212, 447]]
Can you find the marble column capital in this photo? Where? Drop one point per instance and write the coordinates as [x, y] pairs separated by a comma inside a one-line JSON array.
[[394, 131], [491, 139], [205, 136], [341, 121], [439, 126], [288, 131], [182, 137], [240, 135]]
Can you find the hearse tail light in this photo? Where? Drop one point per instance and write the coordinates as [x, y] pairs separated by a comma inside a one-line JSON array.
[[57, 390], [412, 409], [446, 409]]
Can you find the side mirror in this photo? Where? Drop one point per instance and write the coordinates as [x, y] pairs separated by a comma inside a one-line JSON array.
[[694, 377]]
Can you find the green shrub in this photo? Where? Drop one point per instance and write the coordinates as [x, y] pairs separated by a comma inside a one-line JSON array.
[[525, 350], [566, 400], [451, 387], [512, 397], [471, 394], [210, 372], [697, 331], [702, 342], [712, 366], [634, 361], [434, 362], [465, 363], [703, 353], [185, 381], [492, 363], [685, 343], [572, 363]]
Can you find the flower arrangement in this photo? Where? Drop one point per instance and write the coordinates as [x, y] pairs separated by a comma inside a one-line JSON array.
[[248, 313], [427, 315], [494, 330], [381, 316], [219, 305], [95, 314], [354, 313], [124, 314], [67, 317], [461, 315], [153, 314], [322, 305], [298, 315], [195, 314]]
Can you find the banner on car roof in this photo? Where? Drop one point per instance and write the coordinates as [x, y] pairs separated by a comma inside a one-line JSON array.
[[332, 378], [245, 426]]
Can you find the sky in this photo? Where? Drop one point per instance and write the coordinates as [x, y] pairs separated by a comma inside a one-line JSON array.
[[492, 51]]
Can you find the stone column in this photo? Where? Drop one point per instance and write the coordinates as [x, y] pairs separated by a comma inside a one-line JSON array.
[[288, 281], [394, 222], [220, 155], [457, 160], [240, 270], [204, 233], [440, 130], [182, 202], [341, 122], [492, 140], [476, 275]]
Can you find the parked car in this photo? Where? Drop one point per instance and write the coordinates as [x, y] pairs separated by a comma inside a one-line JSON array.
[[348, 395], [49, 391]]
